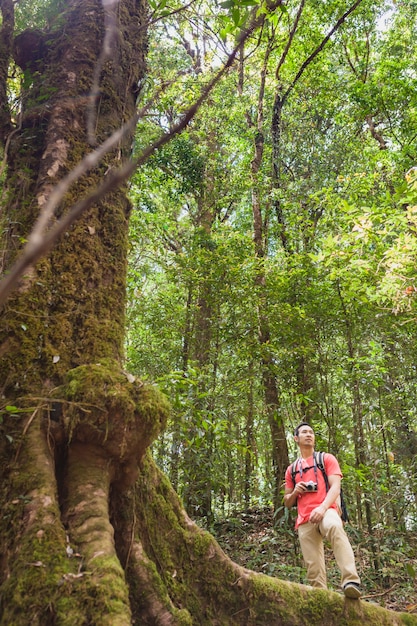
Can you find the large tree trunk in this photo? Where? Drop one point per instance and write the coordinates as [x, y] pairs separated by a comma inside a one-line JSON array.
[[80, 426], [91, 532]]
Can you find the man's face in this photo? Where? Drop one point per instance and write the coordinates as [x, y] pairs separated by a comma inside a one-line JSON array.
[[305, 436]]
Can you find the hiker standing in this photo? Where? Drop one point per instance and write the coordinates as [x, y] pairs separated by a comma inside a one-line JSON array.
[[319, 513]]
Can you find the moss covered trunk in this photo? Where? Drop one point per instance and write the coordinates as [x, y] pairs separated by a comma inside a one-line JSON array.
[[91, 533]]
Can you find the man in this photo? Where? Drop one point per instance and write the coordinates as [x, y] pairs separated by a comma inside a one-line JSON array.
[[318, 514]]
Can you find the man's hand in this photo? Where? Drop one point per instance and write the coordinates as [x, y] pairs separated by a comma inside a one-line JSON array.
[[300, 488], [317, 514], [291, 495]]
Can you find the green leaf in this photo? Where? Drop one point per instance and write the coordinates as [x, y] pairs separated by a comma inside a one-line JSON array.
[[411, 571]]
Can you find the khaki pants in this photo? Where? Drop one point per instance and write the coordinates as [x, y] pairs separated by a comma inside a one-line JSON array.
[[311, 541]]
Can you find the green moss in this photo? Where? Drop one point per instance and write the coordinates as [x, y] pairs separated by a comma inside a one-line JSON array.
[[408, 620], [40, 569], [202, 543], [182, 617], [275, 601], [103, 407], [100, 592]]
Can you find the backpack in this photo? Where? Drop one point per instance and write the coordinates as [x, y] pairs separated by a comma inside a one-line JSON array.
[[319, 459]]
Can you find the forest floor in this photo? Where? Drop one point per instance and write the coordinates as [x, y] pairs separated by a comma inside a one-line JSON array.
[[387, 562]]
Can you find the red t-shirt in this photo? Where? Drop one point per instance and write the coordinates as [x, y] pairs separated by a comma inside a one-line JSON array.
[[309, 500]]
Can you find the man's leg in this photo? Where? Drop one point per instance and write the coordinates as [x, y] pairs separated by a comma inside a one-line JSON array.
[[312, 548], [331, 528]]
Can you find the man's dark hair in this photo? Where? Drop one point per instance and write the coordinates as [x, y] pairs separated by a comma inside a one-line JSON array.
[[299, 426]]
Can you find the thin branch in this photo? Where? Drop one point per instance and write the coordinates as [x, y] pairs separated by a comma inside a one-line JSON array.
[[375, 134], [368, 56], [349, 60], [313, 55], [26, 428], [153, 20], [290, 38], [7, 144]]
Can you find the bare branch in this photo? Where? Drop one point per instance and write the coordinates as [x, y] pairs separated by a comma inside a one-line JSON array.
[[290, 39], [319, 48], [375, 134], [110, 35]]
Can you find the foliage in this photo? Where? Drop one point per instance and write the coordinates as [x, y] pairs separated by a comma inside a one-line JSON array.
[[340, 292]]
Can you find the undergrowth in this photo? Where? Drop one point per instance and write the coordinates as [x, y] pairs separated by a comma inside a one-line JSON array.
[[386, 562]]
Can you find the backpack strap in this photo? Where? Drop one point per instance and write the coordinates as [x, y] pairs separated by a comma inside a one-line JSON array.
[[294, 471], [319, 458]]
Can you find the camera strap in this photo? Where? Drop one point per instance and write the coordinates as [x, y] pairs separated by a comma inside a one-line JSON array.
[[302, 469]]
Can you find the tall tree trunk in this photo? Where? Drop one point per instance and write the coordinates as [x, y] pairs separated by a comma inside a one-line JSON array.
[[197, 461], [177, 437], [279, 447], [77, 415], [358, 432], [250, 441]]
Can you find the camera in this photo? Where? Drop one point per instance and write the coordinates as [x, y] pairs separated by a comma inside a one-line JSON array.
[[311, 486]]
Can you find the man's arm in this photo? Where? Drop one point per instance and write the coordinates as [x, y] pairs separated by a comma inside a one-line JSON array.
[[291, 495]]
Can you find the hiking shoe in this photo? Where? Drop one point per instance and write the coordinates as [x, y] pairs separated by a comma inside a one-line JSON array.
[[352, 591]]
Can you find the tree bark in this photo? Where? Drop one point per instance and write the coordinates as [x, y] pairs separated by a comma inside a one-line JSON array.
[[279, 447]]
